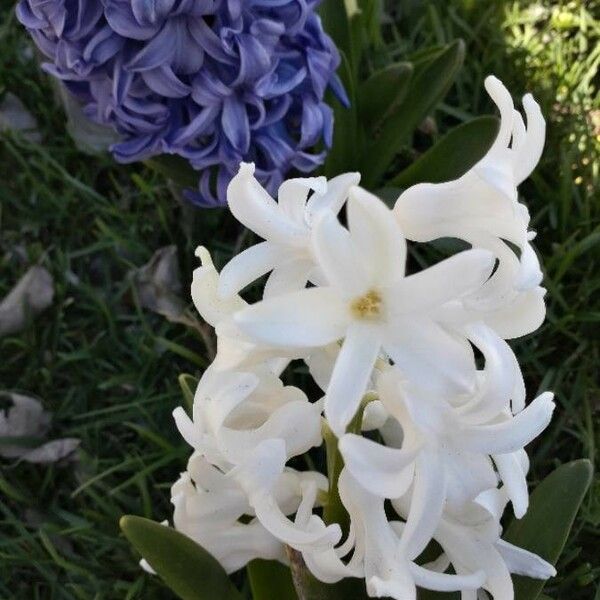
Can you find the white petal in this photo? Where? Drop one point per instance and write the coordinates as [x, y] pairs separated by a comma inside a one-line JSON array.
[[498, 376], [258, 476], [212, 308], [298, 423], [351, 374], [386, 569], [378, 239], [207, 476], [467, 476], [530, 273], [471, 204], [337, 257], [248, 266], [262, 468], [287, 277], [307, 318], [530, 150], [321, 362], [502, 98], [447, 280], [494, 501], [219, 394], [385, 472], [186, 428], [522, 316], [513, 477], [146, 566], [270, 515], [510, 435], [522, 562], [292, 195], [518, 394], [469, 553], [443, 582], [253, 207], [333, 199], [430, 356], [519, 132], [394, 587], [375, 416], [426, 504], [326, 565]]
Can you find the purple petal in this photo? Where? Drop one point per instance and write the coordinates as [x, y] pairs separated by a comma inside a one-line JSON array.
[[151, 12], [312, 123], [157, 52], [196, 127], [236, 127], [165, 83]]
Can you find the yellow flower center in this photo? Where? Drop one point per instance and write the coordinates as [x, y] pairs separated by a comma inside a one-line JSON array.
[[367, 306]]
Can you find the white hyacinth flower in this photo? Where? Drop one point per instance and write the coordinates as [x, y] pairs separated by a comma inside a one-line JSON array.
[[207, 508], [234, 412], [482, 208], [369, 303], [285, 225], [419, 360]]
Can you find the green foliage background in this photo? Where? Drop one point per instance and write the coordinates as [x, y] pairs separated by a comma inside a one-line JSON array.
[[108, 370]]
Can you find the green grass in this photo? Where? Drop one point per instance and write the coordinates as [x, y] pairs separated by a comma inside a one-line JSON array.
[[108, 369]]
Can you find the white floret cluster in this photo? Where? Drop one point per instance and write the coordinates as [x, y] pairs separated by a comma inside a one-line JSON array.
[[420, 389]]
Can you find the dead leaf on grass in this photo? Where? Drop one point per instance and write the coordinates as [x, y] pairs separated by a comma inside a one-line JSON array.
[[23, 429], [32, 294]]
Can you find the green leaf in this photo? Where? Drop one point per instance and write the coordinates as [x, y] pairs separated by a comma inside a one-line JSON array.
[[545, 528], [371, 21], [453, 155], [342, 23], [389, 194], [353, 25], [189, 570], [188, 384], [382, 92], [270, 579], [342, 156], [427, 87]]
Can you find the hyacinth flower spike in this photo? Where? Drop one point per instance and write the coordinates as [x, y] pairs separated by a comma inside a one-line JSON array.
[[213, 82], [435, 451]]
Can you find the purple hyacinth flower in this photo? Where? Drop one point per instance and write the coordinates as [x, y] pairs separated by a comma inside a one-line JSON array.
[[216, 82]]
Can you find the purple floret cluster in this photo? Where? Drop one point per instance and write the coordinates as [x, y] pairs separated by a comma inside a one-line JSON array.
[[216, 82]]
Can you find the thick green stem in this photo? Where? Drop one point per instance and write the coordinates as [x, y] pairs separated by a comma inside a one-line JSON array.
[[334, 511]]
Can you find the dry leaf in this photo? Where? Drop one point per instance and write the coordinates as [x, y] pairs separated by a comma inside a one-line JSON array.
[[32, 294], [25, 422], [158, 285], [23, 427], [15, 117], [52, 451]]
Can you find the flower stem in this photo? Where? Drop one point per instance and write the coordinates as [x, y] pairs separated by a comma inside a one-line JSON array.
[[334, 511]]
